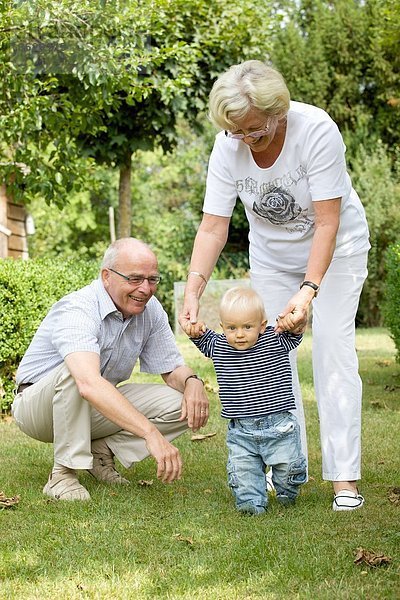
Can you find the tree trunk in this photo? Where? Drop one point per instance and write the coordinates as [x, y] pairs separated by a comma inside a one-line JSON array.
[[125, 200]]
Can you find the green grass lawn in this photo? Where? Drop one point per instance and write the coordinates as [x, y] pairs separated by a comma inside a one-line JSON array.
[[186, 540]]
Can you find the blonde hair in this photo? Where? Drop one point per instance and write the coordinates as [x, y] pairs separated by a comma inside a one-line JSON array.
[[244, 299], [251, 84]]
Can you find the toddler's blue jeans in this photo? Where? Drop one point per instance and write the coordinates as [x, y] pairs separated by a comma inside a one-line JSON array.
[[256, 443]]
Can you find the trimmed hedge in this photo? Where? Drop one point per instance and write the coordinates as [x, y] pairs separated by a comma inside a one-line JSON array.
[[391, 306], [27, 291]]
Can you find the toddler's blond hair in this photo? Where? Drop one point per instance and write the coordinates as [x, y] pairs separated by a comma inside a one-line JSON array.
[[244, 299]]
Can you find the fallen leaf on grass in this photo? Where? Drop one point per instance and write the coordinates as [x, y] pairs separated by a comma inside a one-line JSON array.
[[391, 388], [378, 404], [8, 502], [372, 559], [383, 363], [182, 538], [202, 436], [394, 495], [6, 418], [145, 483]]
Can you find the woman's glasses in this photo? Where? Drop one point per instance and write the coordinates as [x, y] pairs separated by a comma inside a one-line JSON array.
[[254, 135]]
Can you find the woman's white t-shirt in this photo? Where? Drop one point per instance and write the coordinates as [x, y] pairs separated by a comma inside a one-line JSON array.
[[278, 200]]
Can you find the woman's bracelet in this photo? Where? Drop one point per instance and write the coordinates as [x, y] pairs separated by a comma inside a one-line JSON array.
[[198, 275], [312, 285]]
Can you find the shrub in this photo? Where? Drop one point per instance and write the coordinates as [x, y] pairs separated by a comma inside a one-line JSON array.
[[377, 184], [391, 305], [27, 291]]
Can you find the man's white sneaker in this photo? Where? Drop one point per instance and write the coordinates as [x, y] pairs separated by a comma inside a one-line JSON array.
[[347, 500]]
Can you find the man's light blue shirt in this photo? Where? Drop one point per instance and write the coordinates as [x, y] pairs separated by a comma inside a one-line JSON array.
[[88, 321]]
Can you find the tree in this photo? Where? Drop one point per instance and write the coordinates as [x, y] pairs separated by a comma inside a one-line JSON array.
[[128, 71], [342, 55]]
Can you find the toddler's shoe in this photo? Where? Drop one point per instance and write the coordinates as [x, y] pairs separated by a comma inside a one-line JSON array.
[[347, 500]]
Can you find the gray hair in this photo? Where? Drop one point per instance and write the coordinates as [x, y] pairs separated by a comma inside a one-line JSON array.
[[113, 251], [251, 84], [244, 299]]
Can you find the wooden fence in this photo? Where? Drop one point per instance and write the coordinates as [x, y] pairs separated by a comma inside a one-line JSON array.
[[13, 240]]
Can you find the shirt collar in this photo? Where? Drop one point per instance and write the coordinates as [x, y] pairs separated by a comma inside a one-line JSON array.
[[106, 305]]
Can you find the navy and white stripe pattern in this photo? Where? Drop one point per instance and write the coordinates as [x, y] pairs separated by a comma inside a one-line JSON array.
[[253, 382]]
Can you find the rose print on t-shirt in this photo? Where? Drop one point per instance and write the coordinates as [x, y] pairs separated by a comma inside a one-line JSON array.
[[279, 207]]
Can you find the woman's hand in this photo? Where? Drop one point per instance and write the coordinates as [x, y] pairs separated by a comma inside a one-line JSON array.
[[189, 312], [294, 317], [194, 330], [295, 321]]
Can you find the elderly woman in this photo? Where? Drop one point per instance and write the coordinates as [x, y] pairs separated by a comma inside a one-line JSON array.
[[308, 242]]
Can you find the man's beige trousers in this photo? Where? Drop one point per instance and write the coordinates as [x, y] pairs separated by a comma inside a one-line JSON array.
[[52, 410]]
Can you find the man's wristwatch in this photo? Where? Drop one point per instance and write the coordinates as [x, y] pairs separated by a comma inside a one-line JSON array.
[[312, 285], [194, 377]]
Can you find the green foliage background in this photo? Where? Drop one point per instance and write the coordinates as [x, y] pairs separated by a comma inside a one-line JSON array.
[[391, 307], [344, 60]]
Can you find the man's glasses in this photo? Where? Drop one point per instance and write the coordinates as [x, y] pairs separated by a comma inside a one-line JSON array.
[[253, 134], [138, 279]]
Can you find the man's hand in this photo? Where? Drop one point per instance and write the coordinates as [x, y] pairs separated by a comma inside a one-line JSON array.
[[169, 462], [195, 405]]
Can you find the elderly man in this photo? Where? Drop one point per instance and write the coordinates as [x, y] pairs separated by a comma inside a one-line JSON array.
[[87, 344]]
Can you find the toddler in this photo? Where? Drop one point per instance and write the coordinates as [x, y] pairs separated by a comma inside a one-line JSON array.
[[254, 376]]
